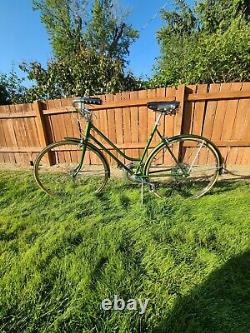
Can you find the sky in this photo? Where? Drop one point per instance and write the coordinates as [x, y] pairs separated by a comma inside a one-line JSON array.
[[24, 38]]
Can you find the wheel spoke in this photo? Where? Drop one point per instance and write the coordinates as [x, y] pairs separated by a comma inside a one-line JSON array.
[[62, 176], [196, 170]]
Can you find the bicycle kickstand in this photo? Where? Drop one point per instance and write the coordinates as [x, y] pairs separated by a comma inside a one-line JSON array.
[[142, 193]]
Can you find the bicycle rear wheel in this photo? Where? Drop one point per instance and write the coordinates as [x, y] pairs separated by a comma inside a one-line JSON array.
[[191, 168], [58, 169]]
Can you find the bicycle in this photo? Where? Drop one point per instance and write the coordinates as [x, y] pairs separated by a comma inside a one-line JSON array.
[[187, 163]]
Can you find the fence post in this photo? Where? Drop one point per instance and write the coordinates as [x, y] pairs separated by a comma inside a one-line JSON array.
[[41, 127]]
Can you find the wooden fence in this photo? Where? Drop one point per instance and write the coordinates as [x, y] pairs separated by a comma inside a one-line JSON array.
[[220, 112]]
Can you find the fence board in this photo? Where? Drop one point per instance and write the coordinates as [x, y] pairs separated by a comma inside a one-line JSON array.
[[111, 120], [18, 130], [134, 112], [119, 123], [143, 119], [210, 113], [169, 122], [241, 124], [219, 118]]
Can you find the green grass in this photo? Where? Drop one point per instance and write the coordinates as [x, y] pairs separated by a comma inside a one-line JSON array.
[[60, 259]]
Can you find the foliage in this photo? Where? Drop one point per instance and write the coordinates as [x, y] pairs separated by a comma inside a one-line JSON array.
[[72, 28], [85, 73], [60, 259], [214, 15], [11, 89], [107, 32], [90, 50], [64, 21], [204, 44]]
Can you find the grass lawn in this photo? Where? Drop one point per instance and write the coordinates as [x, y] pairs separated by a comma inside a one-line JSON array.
[[60, 259]]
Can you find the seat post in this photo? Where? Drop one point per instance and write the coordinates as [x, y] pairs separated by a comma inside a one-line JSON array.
[[157, 122]]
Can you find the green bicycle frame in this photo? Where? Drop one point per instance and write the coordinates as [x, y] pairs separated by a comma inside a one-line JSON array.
[[87, 136]]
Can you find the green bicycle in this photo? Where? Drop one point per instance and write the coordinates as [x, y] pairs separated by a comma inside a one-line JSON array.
[[186, 163]]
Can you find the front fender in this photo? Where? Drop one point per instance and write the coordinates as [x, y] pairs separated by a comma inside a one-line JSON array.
[[73, 139]]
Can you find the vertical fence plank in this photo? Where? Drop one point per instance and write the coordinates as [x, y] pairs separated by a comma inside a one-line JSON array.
[[111, 126], [180, 97], [169, 122], [3, 138], [210, 112], [119, 123], [161, 93], [151, 115], [246, 156], [188, 111], [41, 128], [126, 114], [178, 119], [25, 133], [143, 119], [241, 126], [134, 113], [198, 116], [219, 119], [231, 153]]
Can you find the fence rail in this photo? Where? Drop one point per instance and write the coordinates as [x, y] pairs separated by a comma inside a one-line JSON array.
[[220, 112]]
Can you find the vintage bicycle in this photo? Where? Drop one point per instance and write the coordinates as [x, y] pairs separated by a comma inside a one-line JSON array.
[[186, 163]]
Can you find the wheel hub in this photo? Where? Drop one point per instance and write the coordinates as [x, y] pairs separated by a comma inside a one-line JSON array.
[[180, 171]]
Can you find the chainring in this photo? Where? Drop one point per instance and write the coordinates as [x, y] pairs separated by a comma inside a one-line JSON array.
[[132, 178]]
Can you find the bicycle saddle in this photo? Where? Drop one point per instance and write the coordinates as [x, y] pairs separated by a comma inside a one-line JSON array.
[[88, 100], [164, 107]]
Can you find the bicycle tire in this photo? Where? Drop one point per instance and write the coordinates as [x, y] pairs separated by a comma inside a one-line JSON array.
[[178, 176], [55, 168]]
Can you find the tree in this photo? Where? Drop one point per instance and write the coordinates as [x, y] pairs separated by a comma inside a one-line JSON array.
[[11, 89], [85, 73], [90, 49], [107, 33], [209, 43]]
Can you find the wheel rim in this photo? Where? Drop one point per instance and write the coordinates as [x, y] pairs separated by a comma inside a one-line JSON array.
[[58, 170], [195, 173]]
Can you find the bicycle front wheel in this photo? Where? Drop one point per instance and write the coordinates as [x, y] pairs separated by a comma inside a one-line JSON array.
[[59, 169], [188, 165]]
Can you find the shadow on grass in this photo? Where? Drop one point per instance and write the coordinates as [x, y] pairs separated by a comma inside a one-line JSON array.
[[221, 186], [221, 304], [226, 185]]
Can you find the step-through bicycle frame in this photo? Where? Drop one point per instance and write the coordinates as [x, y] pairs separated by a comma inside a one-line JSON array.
[[87, 136]]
